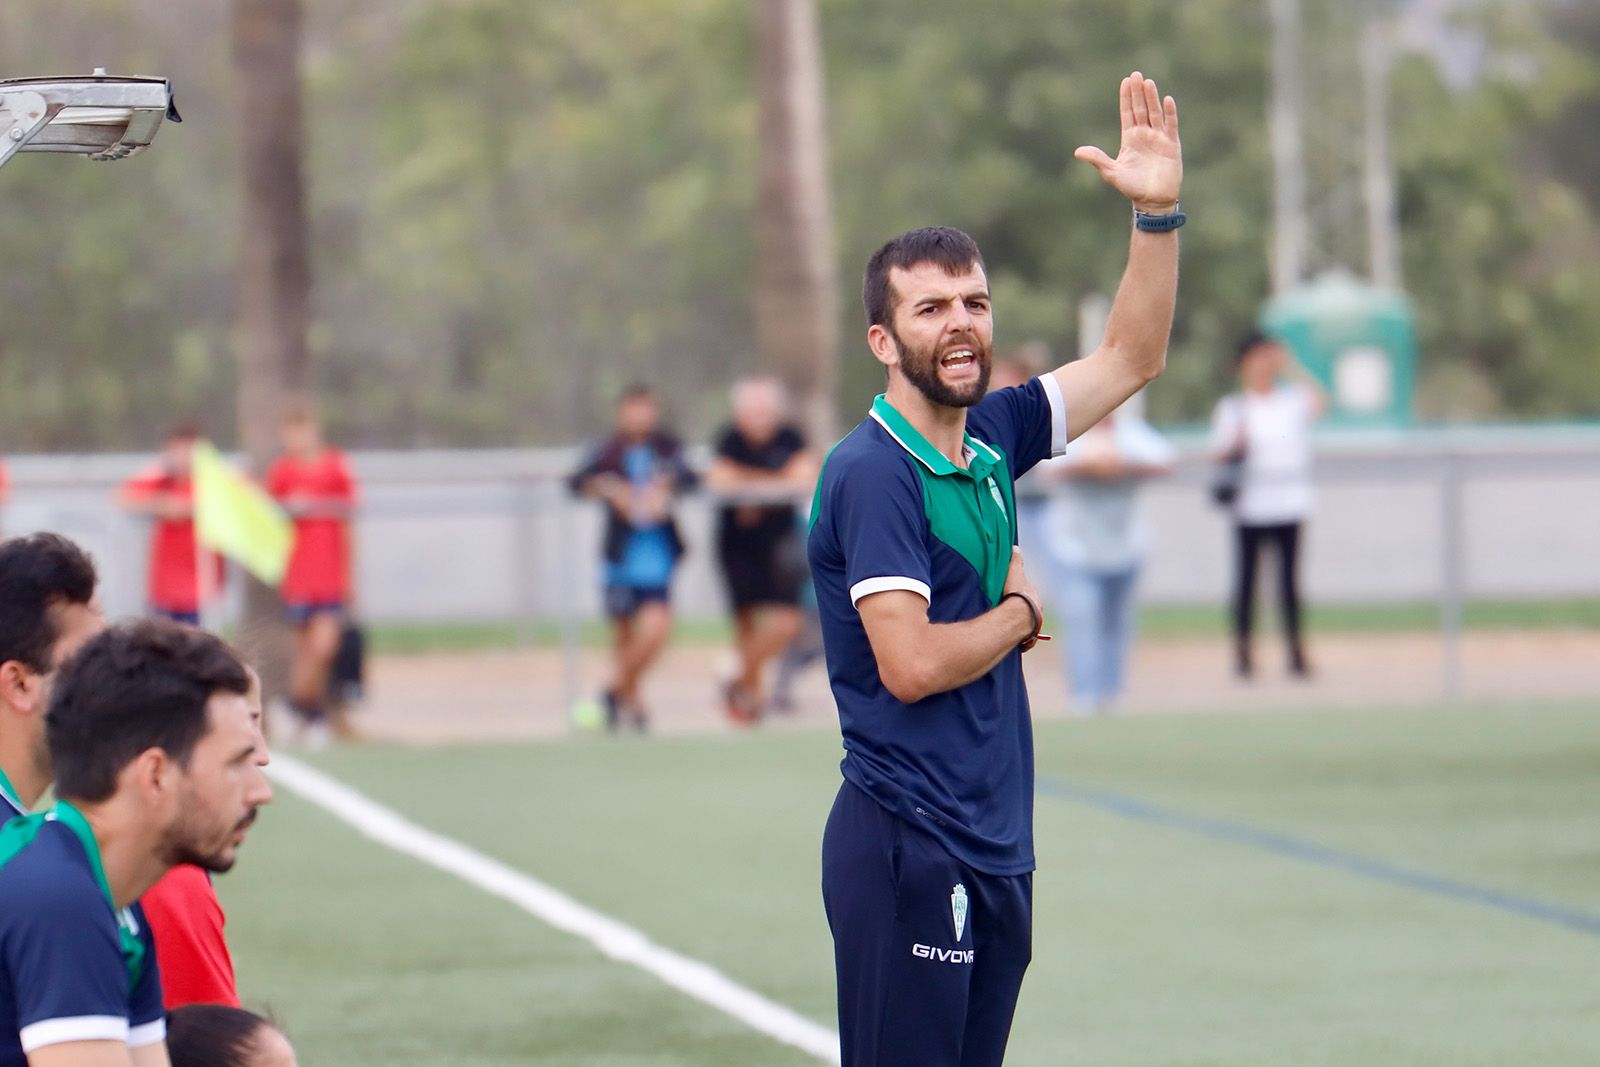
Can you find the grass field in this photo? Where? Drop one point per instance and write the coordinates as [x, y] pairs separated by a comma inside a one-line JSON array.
[[1157, 621], [1170, 929]]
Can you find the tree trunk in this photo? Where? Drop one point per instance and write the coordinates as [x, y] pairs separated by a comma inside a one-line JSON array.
[[274, 273], [797, 299]]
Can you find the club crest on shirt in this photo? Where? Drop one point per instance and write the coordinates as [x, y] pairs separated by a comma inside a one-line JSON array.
[[958, 908]]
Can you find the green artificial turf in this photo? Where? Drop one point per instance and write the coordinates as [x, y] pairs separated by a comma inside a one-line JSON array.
[[1157, 944]]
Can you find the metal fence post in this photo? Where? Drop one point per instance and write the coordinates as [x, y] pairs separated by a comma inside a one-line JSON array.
[[567, 609], [524, 491], [1453, 573]]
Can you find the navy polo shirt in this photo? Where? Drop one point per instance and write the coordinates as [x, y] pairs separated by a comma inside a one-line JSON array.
[[891, 512], [62, 974]]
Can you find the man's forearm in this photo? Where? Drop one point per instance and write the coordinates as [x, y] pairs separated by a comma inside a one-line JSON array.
[[1134, 349], [949, 655], [1141, 315]]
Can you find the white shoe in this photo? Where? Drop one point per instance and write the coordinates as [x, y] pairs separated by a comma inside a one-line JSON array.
[[315, 736]]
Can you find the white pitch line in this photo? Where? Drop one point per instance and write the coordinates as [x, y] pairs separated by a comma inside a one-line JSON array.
[[548, 904]]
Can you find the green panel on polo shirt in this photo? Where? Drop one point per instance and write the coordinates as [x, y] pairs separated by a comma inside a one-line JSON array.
[[971, 510]]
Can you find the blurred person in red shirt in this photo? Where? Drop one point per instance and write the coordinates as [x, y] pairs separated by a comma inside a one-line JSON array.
[[164, 491], [187, 920], [314, 483]]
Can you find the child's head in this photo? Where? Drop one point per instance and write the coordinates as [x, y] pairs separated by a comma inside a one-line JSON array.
[[214, 1035]]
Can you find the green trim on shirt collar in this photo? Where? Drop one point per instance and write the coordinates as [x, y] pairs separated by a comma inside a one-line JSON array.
[[973, 514], [19, 833], [980, 457], [9, 792]]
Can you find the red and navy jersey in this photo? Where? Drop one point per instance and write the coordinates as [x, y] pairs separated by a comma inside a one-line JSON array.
[[891, 512], [319, 566], [62, 973], [188, 923], [174, 583]]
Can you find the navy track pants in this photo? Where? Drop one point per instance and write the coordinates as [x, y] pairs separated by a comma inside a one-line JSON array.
[[929, 952]]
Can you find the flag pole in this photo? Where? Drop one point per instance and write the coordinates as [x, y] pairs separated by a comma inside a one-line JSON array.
[[205, 573]]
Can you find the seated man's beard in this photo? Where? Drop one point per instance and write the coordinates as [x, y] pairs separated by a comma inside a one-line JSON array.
[[921, 368], [185, 844]]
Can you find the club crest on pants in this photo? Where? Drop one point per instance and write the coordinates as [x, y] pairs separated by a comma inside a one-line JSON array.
[[958, 908]]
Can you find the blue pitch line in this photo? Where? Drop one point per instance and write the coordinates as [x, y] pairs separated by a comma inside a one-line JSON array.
[[1129, 807]]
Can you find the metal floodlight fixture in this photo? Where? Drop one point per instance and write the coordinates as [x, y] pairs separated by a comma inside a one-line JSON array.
[[99, 116]]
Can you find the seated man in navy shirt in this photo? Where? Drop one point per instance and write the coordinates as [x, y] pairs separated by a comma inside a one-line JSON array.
[[927, 858], [48, 608], [156, 758]]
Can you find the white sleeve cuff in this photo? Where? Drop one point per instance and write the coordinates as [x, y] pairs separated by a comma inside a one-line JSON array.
[[1058, 414], [867, 586], [74, 1028], [147, 1033]]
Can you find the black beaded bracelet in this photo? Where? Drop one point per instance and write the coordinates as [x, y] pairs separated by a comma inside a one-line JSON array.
[[1033, 610]]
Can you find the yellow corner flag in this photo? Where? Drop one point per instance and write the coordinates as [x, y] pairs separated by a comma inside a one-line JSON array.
[[236, 518]]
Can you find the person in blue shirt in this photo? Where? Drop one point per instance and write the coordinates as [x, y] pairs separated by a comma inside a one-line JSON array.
[[48, 608], [156, 756], [927, 857], [637, 473]]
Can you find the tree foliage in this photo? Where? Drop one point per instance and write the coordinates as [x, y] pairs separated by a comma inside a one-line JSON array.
[[518, 206]]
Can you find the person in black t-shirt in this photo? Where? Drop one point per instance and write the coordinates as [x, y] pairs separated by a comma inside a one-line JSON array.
[[763, 468]]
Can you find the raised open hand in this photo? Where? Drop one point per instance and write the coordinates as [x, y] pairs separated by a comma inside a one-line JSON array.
[[1149, 166]]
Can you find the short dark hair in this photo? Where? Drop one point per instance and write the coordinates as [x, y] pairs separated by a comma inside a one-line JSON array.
[[212, 1035], [39, 573], [136, 686], [1250, 341], [944, 246], [635, 391]]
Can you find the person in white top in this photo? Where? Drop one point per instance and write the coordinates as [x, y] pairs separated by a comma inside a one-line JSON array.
[[1268, 423]]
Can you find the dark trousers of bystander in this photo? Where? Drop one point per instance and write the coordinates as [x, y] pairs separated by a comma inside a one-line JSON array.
[[1284, 542]]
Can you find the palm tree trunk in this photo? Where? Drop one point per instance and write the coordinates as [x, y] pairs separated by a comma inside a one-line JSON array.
[[797, 300], [274, 273]]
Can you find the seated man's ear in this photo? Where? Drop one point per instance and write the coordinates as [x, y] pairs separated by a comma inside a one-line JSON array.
[[20, 686]]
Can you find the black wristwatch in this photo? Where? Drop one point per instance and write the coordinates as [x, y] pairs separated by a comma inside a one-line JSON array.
[[1160, 223]]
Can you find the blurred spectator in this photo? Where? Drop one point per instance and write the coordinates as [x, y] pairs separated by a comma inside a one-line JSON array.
[[804, 650], [164, 491], [314, 483], [637, 472], [215, 1035], [1267, 424], [763, 459], [1020, 367], [1093, 545]]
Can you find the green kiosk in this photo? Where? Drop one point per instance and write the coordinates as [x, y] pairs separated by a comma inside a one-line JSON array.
[[1359, 341]]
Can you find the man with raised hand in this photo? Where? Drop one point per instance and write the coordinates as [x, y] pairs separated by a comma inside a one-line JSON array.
[[157, 763], [927, 858], [48, 608]]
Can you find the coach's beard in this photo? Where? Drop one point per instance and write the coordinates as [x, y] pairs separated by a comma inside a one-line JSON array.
[[921, 368]]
